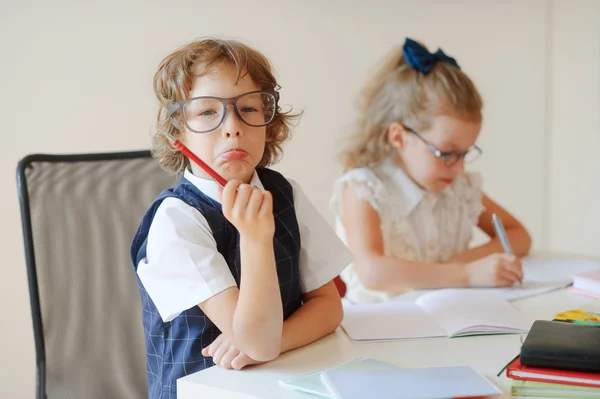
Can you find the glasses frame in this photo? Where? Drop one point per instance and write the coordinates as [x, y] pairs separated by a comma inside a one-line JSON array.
[[446, 156], [226, 102]]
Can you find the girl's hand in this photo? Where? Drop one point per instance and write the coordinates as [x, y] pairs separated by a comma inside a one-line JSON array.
[[495, 270], [226, 355], [250, 210]]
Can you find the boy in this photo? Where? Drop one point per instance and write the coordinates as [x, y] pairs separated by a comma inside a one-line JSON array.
[[241, 274]]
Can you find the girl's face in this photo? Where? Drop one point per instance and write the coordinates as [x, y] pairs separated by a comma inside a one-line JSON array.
[[448, 137]]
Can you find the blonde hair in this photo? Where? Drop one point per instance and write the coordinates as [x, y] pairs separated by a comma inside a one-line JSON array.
[[399, 93], [174, 80]]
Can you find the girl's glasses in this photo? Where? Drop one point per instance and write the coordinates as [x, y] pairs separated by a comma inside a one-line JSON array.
[[205, 114], [452, 157]]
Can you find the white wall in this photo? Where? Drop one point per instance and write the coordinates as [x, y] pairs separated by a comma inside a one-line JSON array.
[[575, 122], [77, 78]]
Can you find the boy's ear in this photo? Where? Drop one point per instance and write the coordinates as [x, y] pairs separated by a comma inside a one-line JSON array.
[[396, 135], [179, 135]]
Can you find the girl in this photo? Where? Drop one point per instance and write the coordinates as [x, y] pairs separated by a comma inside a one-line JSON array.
[[406, 207]]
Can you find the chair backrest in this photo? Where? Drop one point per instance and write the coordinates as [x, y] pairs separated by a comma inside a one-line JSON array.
[[79, 215]]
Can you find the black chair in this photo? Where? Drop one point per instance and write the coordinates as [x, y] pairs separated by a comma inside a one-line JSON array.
[[79, 214]]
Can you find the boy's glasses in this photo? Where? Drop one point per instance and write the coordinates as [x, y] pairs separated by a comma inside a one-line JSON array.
[[453, 157], [205, 114]]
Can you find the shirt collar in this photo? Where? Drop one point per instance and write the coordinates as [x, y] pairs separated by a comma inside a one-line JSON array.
[[408, 189], [210, 187]]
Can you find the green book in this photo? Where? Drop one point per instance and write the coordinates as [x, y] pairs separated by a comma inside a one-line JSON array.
[[548, 390]]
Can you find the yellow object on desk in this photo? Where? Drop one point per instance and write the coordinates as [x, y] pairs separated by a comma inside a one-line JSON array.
[[577, 315]]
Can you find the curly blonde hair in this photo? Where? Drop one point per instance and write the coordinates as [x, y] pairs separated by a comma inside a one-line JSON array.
[[174, 80], [399, 93]]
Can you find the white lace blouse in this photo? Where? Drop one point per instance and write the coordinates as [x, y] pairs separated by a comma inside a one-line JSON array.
[[416, 225]]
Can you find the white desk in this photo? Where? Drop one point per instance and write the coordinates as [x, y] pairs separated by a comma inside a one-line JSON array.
[[486, 354]]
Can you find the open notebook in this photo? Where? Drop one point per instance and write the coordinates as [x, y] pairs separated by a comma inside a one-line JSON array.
[[443, 313], [528, 289], [542, 274]]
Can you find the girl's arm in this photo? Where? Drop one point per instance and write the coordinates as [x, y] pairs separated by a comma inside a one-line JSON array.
[[518, 236], [384, 273]]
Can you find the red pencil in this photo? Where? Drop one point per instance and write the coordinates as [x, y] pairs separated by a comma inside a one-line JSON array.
[[186, 151]]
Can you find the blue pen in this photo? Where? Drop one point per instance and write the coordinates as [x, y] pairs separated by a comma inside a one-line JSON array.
[[501, 234]]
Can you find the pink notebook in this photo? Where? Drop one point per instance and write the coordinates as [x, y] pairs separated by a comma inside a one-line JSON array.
[[584, 293], [587, 283]]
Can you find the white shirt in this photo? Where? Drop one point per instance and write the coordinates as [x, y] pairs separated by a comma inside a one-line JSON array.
[[183, 267], [416, 225]]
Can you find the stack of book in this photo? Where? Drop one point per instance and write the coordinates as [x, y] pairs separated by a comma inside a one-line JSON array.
[[553, 383], [558, 359]]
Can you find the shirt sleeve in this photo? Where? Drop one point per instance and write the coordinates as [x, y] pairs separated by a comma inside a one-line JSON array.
[[322, 254], [366, 186], [183, 267]]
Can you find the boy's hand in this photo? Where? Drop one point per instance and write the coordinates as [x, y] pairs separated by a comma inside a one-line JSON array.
[[250, 210], [495, 270], [226, 355]]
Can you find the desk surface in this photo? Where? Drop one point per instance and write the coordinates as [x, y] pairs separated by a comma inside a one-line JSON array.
[[486, 354]]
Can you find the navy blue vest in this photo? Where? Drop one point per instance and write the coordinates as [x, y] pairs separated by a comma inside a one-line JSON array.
[[173, 349]]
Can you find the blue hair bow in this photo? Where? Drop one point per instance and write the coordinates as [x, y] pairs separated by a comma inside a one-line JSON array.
[[417, 57]]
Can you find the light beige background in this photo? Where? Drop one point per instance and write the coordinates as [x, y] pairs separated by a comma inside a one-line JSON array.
[[574, 119], [77, 78]]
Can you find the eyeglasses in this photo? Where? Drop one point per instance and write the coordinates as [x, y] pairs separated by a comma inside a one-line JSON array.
[[453, 157], [205, 114]]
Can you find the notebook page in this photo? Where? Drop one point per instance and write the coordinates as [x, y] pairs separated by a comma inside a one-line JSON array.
[[389, 321], [553, 268], [462, 313], [529, 288], [542, 274]]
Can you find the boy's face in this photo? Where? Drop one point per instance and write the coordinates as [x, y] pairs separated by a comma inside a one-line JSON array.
[[234, 149]]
